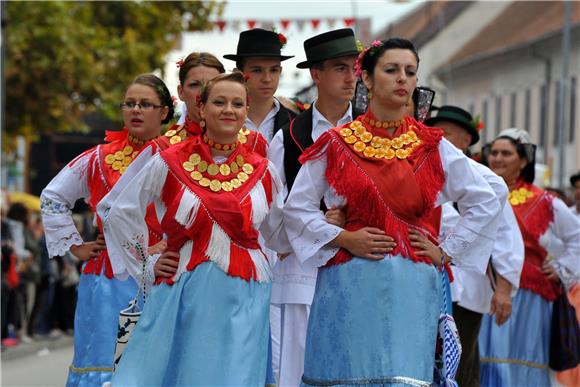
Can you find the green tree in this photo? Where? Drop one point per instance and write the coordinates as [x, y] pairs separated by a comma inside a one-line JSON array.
[[67, 59]]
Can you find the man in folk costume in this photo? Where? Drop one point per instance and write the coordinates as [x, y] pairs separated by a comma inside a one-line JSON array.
[[330, 58], [473, 293], [259, 57]]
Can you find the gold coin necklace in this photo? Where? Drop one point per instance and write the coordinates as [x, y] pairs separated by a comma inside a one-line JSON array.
[[204, 174], [120, 160], [363, 141]]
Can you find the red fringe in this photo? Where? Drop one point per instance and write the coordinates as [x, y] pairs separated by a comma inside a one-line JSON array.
[[116, 135], [267, 184], [241, 264], [539, 217], [534, 280]]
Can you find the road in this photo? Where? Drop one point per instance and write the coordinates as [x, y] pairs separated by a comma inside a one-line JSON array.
[[45, 368]]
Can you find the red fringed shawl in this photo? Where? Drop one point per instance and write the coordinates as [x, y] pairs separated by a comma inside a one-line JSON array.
[[101, 177], [392, 195], [534, 217], [203, 225]]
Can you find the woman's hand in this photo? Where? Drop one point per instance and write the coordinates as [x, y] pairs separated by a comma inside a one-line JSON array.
[[501, 302], [336, 217], [89, 250], [424, 247], [158, 248], [367, 242], [549, 270], [166, 265]]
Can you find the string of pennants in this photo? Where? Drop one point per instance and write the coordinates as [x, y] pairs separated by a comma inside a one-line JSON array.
[[283, 24]]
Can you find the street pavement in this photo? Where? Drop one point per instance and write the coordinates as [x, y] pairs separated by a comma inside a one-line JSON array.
[[40, 363]]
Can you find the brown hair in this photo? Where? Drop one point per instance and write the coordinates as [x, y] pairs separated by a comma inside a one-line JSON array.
[[196, 59], [160, 88], [234, 76]]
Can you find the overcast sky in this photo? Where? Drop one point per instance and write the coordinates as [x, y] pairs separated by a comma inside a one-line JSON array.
[[380, 12]]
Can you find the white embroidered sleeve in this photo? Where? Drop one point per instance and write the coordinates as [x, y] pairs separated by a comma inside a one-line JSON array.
[[272, 227], [508, 250], [126, 231], [477, 203], [308, 231], [56, 202], [566, 228]]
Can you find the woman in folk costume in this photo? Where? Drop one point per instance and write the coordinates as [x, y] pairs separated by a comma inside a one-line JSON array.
[[208, 323], [516, 353], [102, 294], [194, 71], [376, 306]]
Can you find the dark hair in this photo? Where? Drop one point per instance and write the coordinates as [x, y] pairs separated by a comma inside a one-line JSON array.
[[370, 59], [234, 76], [18, 212], [529, 171], [196, 59], [240, 63], [160, 88]]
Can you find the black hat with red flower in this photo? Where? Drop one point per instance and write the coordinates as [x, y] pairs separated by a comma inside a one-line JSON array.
[[259, 42]]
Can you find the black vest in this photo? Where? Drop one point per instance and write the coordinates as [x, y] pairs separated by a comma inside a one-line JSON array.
[[297, 137], [282, 118]]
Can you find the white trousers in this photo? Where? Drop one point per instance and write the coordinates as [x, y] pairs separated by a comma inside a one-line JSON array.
[[293, 323]]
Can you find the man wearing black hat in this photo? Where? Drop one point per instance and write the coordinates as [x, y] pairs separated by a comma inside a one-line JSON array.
[[575, 182], [330, 57], [259, 57], [473, 294]]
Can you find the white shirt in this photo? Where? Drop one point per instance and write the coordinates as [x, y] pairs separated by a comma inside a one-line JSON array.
[[575, 211], [309, 233], [294, 283], [56, 202], [266, 127]]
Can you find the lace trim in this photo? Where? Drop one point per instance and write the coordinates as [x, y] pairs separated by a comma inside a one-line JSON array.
[[63, 245], [50, 207]]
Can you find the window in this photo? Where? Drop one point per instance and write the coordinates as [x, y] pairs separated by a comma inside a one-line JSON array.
[[513, 109], [497, 115], [543, 114], [573, 126], [527, 103]]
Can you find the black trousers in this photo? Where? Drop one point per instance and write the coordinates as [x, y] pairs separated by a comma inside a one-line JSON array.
[[468, 324]]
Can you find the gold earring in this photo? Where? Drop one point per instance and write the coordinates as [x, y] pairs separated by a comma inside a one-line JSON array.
[[370, 94]]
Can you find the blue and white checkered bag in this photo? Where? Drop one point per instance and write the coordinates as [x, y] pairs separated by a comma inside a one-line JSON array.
[[447, 360]]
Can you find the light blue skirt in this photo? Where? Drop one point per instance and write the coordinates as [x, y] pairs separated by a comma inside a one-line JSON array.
[[208, 329], [373, 323], [516, 353], [99, 302]]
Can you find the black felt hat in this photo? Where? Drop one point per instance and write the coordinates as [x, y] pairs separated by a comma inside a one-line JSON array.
[[458, 116], [259, 42], [329, 45]]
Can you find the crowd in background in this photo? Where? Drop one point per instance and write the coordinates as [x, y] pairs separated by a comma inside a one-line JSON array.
[[38, 293]]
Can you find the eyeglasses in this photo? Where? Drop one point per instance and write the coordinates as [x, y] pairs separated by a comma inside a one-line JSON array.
[[145, 106]]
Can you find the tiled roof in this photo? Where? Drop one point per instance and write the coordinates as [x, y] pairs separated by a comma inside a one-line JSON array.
[[422, 23], [519, 24]]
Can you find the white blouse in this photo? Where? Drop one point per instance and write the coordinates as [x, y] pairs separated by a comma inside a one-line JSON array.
[[124, 225], [310, 234], [56, 202]]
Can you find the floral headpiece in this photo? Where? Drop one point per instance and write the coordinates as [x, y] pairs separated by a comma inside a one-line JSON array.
[[477, 123], [179, 63], [282, 39], [372, 49]]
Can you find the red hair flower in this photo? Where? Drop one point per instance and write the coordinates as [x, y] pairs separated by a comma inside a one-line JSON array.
[[282, 39], [179, 63]]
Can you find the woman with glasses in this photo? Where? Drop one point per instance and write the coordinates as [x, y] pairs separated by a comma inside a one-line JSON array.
[[206, 325], [102, 294], [517, 352]]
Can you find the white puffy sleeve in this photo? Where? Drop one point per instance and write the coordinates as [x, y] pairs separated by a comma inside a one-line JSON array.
[[308, 231], [126, 232], [272, 227], [508, 250], [57, 200], [477, 203], [564, 232]]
